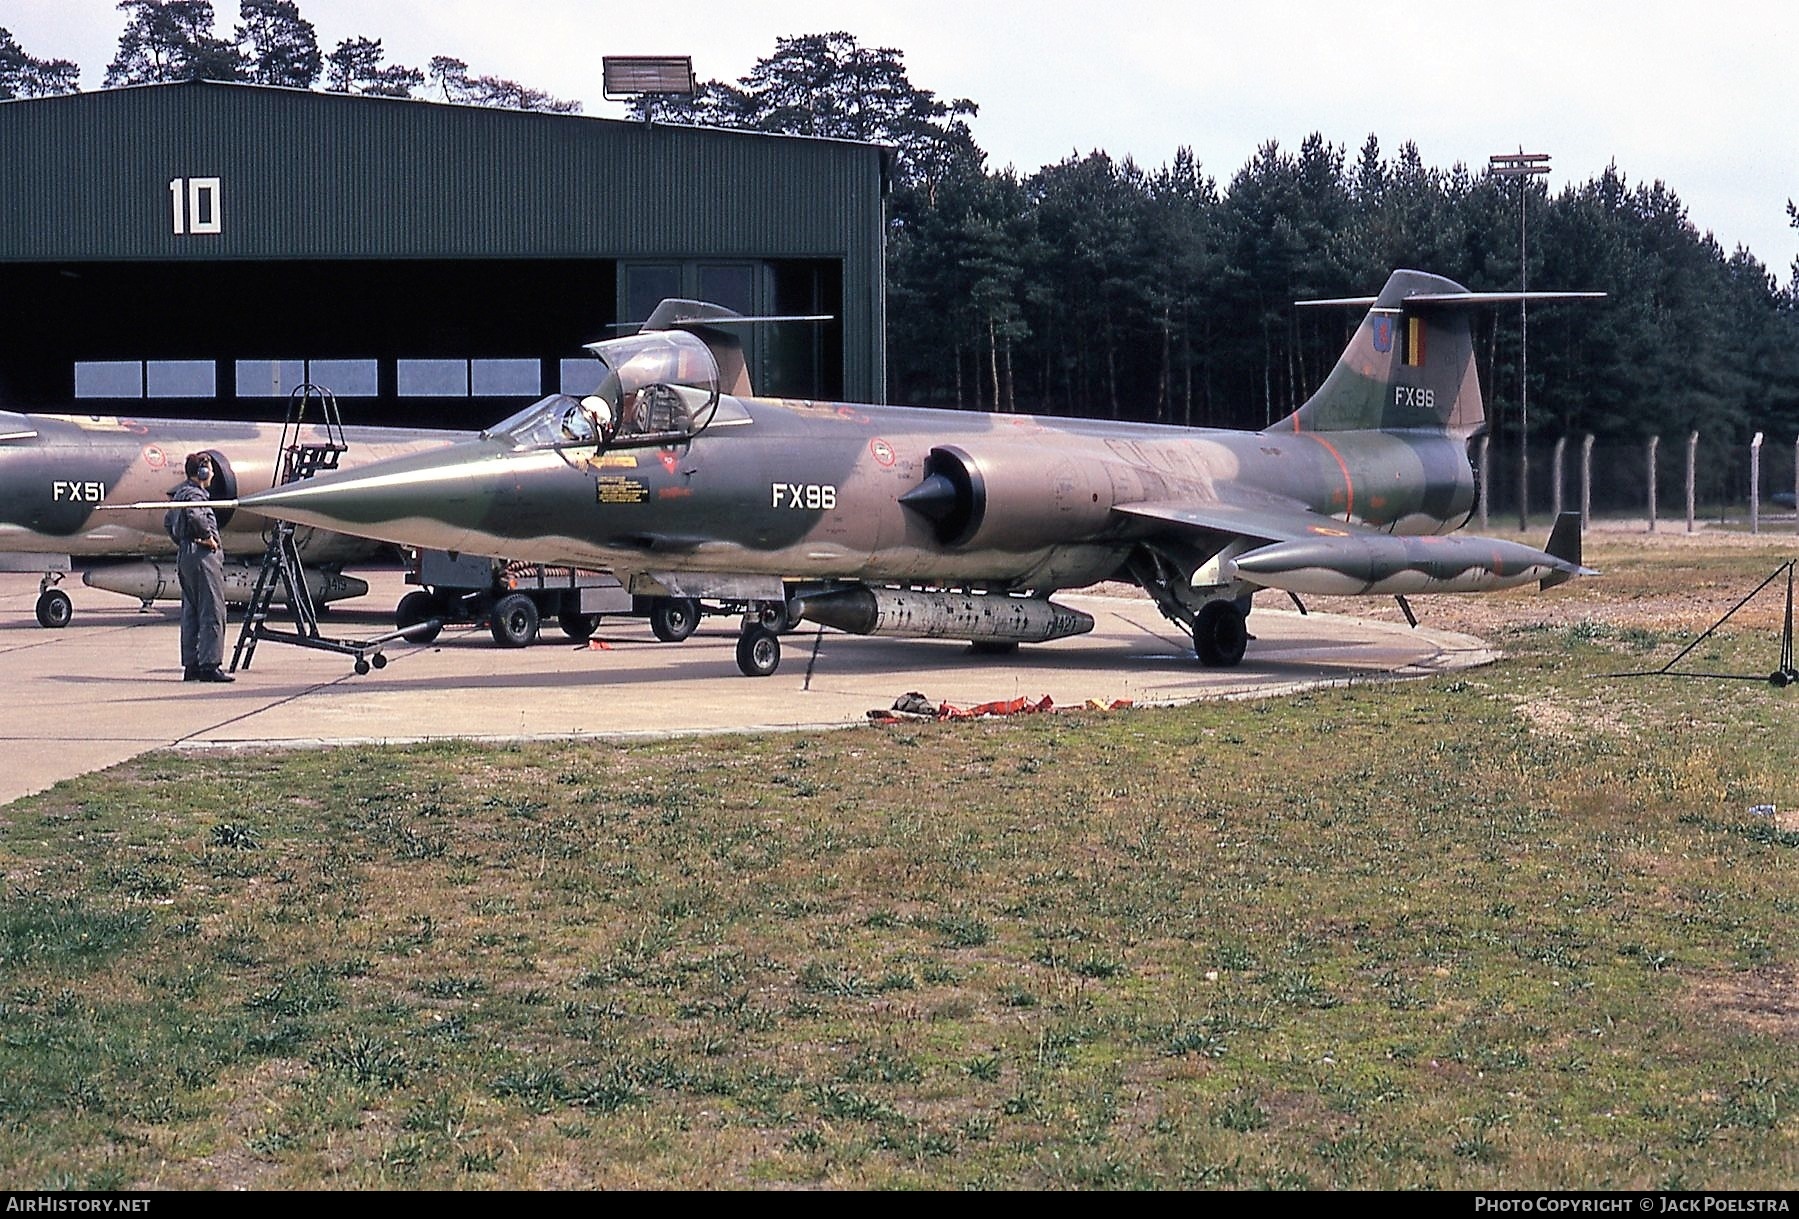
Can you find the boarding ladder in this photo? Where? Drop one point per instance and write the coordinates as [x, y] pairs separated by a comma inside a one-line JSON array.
[[312, 439]]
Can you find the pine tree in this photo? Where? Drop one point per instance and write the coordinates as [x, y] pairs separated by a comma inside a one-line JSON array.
[[23, 75], [169, 40], [282, 48], [355, 67], [449, 77]]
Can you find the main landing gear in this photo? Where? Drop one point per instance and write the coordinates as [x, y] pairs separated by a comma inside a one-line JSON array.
[[1220, 634], [1219, 623]]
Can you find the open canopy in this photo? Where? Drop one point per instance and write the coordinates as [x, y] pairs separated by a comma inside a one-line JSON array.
[[655, 388]]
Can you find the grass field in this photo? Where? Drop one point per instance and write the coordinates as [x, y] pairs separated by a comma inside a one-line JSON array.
[[1516, 928]]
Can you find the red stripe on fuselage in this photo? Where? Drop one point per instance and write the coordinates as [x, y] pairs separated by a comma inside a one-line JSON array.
[[1348, 483]]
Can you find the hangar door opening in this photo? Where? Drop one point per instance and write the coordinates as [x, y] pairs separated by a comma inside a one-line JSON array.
[[786, 359], [421, 342]]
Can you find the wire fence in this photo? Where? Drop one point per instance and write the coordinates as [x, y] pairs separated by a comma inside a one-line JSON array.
[[1666, 482]]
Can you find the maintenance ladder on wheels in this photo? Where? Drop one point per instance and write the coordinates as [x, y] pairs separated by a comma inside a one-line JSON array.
[[307, 447]]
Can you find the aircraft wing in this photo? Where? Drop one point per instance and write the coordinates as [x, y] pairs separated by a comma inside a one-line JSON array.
[[1267, 524]]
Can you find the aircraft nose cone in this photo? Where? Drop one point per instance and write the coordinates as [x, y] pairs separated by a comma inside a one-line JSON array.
[[431, 499]]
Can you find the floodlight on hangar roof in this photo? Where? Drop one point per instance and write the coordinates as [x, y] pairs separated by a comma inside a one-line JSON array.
[[634, 75]]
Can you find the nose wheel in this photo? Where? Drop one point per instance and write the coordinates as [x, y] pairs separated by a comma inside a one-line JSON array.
[[758, 651], [54, 609]]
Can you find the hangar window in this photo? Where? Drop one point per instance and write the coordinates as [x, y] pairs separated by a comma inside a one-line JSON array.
[[580, 376], [648, 285], [181, 379], [109, 379], [732, 285], [268, 378], [505, 378], [345, 378], [433, 378]]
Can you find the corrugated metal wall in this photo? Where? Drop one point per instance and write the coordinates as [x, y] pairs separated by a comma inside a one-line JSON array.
[[110, 175]]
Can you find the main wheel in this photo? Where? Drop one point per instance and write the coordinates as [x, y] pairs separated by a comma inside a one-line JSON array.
[[417, 607], [514, 621], [578, 627], [1219, 635], [54, 609], [673, 619], [758, 652]]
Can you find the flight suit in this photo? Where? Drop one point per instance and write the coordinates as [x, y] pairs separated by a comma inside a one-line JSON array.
[[202, 573]]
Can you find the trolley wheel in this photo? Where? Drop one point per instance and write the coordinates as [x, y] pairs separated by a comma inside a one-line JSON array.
[[417, 607], [673, 619], [54, 609], [578, 627], [361, 666], [775, 616], [1219, 635], [378, 660], [514, 621], [758, 652], [993, 647]]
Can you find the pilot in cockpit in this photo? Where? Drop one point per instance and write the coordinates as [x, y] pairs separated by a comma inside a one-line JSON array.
[[588, 421]]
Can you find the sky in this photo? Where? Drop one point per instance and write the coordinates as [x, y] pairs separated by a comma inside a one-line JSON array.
[[1698, 96]]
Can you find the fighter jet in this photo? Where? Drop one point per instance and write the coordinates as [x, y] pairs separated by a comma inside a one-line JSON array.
[[61, 476], [881, 520]]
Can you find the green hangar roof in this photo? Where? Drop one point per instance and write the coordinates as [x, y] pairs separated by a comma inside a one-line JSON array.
[[476, 227], [298, 174]]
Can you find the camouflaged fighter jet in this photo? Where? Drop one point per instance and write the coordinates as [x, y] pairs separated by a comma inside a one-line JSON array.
[[880, 520], [61, 476]]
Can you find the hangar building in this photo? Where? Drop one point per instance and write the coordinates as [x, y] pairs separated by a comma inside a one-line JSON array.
[[200, 249]]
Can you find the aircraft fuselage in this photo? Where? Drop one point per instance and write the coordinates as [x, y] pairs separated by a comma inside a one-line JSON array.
[[63, 476], [807, 490]]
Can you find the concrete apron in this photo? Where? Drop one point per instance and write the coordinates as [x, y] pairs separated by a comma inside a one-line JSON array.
[[108, 687]]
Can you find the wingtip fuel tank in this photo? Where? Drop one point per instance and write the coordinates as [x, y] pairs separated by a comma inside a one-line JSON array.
[[1395, 565]]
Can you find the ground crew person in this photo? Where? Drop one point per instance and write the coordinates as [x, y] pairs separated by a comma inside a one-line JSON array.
[[200, 561]]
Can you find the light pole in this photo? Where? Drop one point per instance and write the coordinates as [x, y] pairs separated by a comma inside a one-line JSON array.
[[1522, 166]]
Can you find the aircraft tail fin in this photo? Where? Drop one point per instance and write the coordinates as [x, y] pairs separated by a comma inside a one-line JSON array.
[[1410, 364], [721, 329]]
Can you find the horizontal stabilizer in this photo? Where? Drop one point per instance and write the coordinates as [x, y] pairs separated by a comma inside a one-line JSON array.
[[1440, 299], [1451, 299]]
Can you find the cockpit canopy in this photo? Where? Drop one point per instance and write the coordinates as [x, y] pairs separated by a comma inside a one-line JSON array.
[[655, 388]]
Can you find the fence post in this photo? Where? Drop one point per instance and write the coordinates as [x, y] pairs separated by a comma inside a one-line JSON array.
[[1692, 465], [1555, 481], [1755, 484], [1654, 444], [1480, 461], [1586, 482]]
